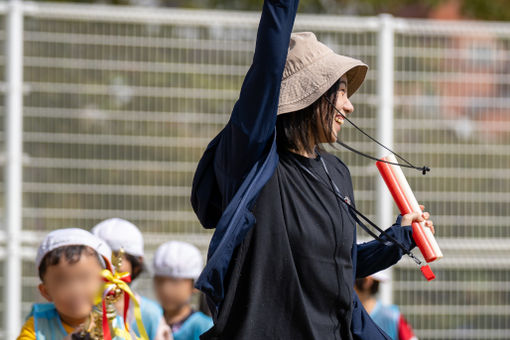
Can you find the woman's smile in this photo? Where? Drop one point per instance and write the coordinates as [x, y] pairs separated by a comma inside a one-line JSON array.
[[339, 119]]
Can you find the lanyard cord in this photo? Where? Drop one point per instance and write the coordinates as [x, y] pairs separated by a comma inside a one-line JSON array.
[[355, 213], [424, 169]]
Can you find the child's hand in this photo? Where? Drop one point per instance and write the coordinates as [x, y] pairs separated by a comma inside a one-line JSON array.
[[76, 335], [407, 219]]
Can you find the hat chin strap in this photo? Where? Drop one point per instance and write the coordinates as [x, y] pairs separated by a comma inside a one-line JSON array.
[[424, 169]]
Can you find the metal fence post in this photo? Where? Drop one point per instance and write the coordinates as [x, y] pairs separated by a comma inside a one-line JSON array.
[[385, 69], [13, 168]]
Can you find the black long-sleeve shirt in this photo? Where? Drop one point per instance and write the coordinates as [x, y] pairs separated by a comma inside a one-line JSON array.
[[293, 274]]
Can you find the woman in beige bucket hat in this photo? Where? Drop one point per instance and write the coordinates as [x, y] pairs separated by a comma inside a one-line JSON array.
[[283, 258], [314, 78]]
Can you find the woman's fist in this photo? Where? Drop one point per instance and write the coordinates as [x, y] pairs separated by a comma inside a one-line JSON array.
[[408, 219]]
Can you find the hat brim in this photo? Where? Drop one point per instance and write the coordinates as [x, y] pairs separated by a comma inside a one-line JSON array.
[[73, 237], [304, 87]]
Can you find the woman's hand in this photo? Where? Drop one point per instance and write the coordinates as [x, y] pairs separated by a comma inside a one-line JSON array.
[[408, 219]]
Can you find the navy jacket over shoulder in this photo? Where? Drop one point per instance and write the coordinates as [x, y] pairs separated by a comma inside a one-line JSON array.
[[242, 158]]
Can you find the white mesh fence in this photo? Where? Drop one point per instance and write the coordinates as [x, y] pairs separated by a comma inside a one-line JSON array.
[[119, 104]]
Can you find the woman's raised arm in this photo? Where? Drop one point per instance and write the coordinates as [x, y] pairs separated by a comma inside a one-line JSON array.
[[253, 118]]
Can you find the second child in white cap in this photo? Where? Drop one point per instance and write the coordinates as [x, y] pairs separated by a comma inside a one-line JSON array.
[[121, 234], [387, 317], [176, 267]]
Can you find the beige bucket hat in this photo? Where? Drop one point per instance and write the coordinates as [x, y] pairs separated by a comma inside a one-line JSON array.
[[311, 69]]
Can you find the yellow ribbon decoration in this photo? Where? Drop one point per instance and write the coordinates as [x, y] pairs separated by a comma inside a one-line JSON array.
[[113, 281], [122, 333]]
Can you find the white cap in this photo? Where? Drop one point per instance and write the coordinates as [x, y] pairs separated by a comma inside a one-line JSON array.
[[72, 237], [119, 233], [382, 276], [178, 260]]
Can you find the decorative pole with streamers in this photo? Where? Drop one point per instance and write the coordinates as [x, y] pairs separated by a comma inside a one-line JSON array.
[[101, 324]]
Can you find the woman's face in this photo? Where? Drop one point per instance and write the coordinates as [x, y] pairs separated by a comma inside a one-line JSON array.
[[344, 105]]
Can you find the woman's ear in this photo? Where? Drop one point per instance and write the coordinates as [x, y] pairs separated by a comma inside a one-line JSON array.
[[44, 292]]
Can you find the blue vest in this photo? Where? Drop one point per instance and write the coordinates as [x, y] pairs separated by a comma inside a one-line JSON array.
[[47, 322], [387, 318], [152, 315], [197, 324]]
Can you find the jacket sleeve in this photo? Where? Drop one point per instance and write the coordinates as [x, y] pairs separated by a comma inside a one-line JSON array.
[[374, 256], [252, 123]]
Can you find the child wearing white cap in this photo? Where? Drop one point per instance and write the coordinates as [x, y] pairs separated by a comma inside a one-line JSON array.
[[69, 263], [122, 234], [387, 317], [176, 266]]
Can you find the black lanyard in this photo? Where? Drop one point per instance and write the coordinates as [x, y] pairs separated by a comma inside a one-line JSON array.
[[423, 169], [355, 213]]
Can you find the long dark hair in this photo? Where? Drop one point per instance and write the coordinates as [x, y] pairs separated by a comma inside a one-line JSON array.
[[302, 129]]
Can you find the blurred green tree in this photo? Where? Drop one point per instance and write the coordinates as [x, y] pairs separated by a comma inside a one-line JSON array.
[[474, 9]]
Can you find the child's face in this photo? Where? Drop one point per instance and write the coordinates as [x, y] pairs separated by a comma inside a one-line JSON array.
[[173, 293], [72, 287]]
